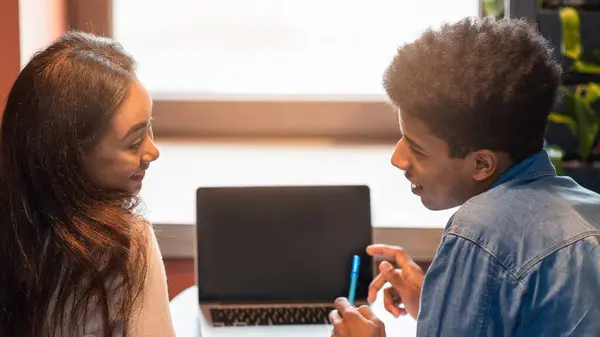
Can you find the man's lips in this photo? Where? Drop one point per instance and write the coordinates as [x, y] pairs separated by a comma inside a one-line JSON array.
[[413, 185]]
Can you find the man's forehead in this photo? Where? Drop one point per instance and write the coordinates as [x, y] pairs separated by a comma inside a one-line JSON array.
[[414, 128], [405, 122]]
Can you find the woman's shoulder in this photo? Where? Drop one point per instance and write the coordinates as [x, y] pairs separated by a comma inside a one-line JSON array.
[[154, 318], [143, 238]]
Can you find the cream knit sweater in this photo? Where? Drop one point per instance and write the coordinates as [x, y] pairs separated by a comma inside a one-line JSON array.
[[153, 318]]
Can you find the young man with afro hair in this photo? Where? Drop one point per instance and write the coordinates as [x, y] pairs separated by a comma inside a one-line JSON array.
[[521, 256]]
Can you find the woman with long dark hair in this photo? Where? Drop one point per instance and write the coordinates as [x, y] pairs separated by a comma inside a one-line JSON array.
[[76, 259]]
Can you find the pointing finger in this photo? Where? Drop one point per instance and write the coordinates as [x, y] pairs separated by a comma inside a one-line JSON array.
[[377, 283], [391, 252]]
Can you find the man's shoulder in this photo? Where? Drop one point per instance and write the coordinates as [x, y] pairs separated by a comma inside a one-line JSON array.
[[520, 223]]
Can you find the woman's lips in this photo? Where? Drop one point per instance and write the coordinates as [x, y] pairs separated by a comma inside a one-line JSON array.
[[137, 177]]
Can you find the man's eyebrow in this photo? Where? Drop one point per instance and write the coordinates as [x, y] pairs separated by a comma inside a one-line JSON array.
[[413, 144], [135, 128]]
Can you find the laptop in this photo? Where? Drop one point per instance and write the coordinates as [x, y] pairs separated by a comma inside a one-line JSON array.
[[279, 255]]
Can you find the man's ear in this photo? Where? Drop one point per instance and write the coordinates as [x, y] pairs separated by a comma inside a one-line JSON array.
[[485, 164]]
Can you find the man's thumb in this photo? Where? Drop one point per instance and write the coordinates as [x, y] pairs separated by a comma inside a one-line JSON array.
[[393, 276]]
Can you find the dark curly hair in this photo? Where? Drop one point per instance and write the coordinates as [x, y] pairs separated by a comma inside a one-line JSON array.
[[478, 84]]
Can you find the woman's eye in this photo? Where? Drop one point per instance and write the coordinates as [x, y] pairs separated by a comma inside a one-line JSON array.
[[135, 145]]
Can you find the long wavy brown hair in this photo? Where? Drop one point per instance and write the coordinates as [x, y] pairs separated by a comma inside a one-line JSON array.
[[69, 250]]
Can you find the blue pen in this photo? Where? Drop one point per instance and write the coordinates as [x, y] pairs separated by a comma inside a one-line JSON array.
[[353, 278]]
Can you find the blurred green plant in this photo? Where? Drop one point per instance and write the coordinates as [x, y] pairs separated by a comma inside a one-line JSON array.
[[583, 61], [493, 7], [579, 116], [577, 113]]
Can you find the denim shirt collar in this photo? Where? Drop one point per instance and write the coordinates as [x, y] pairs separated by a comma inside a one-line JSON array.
[[533, 167]]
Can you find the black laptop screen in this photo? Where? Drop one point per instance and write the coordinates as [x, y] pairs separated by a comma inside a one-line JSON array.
[[282, 244]]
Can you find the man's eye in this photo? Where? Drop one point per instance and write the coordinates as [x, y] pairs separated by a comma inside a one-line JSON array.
[[418, 153]]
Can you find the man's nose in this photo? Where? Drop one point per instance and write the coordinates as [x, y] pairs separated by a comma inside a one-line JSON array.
[[399, 159]]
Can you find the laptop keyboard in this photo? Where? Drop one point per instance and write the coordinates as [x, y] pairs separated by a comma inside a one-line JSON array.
[[270, 316]]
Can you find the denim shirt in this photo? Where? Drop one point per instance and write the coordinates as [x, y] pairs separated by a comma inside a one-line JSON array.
[[521, 259]]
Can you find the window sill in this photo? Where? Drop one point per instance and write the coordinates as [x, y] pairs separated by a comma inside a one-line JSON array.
[[170, 186]]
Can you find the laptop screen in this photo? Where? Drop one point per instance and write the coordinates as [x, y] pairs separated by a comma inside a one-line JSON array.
[[282, 244]]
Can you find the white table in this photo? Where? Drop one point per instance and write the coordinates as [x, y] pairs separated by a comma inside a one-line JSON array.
[[188, 322]]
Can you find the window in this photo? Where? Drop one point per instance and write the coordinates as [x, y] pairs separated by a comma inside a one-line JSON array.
[[271, 68], [266, 68], [217, 49]]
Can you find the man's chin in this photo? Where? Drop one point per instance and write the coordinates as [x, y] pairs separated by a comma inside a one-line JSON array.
[[435, 206], [432, 208]]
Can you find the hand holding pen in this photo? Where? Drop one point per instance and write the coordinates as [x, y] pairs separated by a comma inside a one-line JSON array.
[[349, 321]]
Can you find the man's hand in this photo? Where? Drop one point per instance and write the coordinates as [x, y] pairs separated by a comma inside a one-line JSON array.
[[348, 321], [406, 282]]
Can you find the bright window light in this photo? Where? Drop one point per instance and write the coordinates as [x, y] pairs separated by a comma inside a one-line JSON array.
[[260, 48]]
